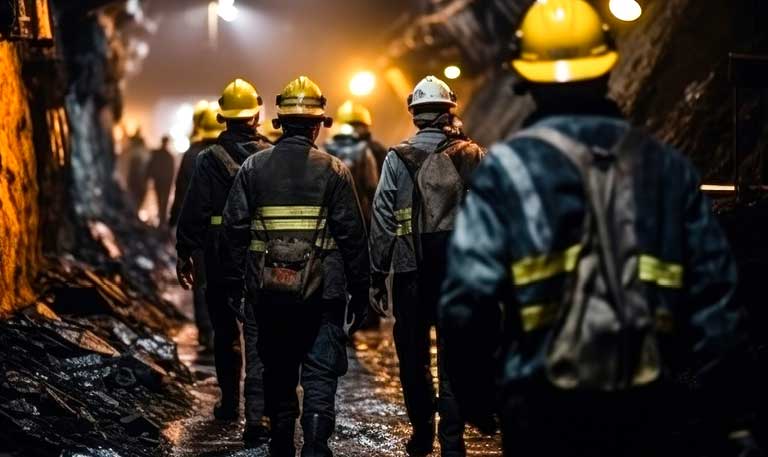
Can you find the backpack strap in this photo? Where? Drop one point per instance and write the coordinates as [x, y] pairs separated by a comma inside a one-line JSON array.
[[408, 153], [225, 159]]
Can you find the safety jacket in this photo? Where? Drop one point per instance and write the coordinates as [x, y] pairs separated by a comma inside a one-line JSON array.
[[518, 236], [200, 220], [292, 191], [391, 225]]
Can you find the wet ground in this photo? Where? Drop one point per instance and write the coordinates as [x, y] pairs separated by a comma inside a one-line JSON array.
[[371, 418]]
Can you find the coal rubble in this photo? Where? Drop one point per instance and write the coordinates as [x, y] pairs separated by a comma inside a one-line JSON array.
[[89, 370]]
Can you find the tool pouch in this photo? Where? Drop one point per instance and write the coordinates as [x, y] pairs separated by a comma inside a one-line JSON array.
[[291, 266]]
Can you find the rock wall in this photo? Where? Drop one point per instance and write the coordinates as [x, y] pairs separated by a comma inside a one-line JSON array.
[[673, 79], [20, 245]]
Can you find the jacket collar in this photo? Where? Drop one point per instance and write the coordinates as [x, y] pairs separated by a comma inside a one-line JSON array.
[[296, 141], [233, 137], [603, 107]]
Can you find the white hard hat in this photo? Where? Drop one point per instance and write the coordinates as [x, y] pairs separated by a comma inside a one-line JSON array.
[[431, 91]]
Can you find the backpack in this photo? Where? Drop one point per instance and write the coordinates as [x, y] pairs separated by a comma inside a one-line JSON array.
[[440, 184], [605, 337]]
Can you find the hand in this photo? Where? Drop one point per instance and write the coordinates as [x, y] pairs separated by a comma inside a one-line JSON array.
[[356, 313], [378, 295], [184, 272]]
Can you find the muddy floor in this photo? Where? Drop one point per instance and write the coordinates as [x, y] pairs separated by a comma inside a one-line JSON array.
[[371, 416]]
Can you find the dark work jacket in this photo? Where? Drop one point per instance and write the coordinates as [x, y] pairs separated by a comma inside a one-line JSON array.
[[200, 220], [379, 152], [160, 169], [293, 179], [359, 158], [184, 176], [526, 208]]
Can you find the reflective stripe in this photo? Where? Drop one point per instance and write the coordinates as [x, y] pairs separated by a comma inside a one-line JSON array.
[[276, 225], [217, 220], [329, 244], [404, 228], [268, 212], [535, 317], [404, 214], [535, 269], [536, 222], [258, 246], [663, 274]]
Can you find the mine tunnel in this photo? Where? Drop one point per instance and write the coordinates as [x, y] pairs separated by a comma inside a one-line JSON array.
[[102, 103]]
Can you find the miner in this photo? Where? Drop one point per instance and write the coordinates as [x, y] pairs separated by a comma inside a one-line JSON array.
[[206, 130], [160, 170], [188, 160], [201, 232], [423, 182], [609, 266], [297, 232], [359, 117], [356, 153]]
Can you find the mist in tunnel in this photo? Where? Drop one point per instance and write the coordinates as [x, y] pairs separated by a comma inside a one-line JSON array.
[[269, 43]]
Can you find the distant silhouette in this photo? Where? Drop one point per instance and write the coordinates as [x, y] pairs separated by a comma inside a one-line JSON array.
[[160, 170], [136, 155]]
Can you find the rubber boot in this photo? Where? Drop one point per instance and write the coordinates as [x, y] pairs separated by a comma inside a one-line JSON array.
[[256, 434], [282, 443], [422, 441], [317, 432], [226, 410], [451, 429]]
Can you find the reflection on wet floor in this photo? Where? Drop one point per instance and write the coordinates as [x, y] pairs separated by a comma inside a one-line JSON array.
[[371, 419]]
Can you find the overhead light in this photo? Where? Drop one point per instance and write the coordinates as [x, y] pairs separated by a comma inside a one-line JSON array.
[[718, 188], [181, 144], [626, 10], [227, 10], [452, 72], [362, 83], [180, 129]]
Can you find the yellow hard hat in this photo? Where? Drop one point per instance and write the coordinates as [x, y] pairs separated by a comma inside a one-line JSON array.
[[353, 113], [210, 128], [271, 132], [301, 98], [239, 101], [199, 110], [563, 41]]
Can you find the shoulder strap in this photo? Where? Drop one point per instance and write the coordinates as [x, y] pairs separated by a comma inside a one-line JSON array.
[[407, 152], [225, 159]]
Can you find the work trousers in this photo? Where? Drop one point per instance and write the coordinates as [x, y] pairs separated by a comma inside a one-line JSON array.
[[202, 316], [228, 353], [301, 344], [570, 424], [415, 299], [254, 370]]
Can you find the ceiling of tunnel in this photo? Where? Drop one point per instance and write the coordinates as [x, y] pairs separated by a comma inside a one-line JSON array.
[[271, 42]]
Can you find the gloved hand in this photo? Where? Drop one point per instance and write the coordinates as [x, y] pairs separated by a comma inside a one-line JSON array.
[[378, 296], [356, 313], [185, 272]]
